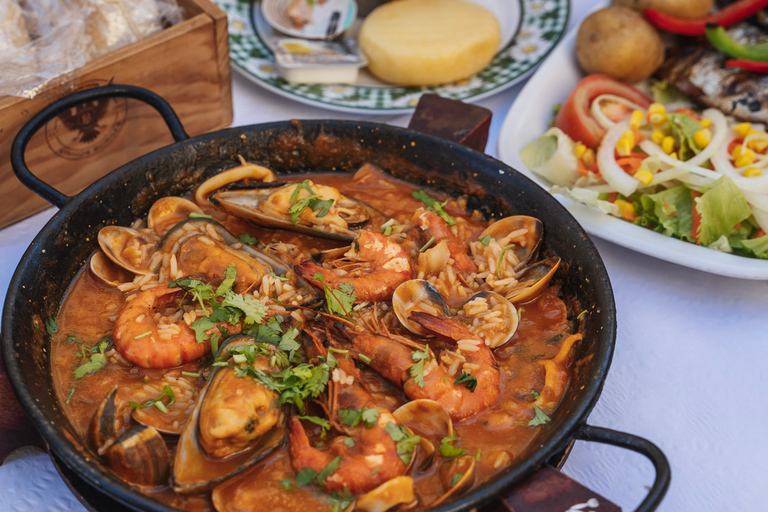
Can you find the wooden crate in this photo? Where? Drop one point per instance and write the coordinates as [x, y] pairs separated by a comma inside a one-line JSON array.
[[187, 64]]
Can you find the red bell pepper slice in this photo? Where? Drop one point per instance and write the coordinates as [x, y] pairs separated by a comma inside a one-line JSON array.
[[726, 17], [758, 66]]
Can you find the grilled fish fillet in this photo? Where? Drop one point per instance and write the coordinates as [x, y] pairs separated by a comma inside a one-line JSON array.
[[699, 72]]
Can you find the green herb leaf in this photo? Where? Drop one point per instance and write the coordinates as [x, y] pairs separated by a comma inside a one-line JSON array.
[[469, 380], [370, 417], [69, 396], [96, 361], [485, 240], [540, 418], [340, 300], [248, 239], [230, 274], [434, 205], [201, 325], [50, 325], [306, 476], [196, 215], [275, 276], [73, 339], [364, 358], [456, 478], [501, 259], [254, 309], [328, 470], [287, 484], [535, 394], [321, 422], [158, 402], [405, 442], [426, 245], [348, 442], [288, 341], [191, 374], [417, 370], [448, 450]]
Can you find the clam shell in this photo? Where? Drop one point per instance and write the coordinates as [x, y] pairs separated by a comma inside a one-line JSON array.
[[140, 456], [503, 227], [166, 212], [393, 492], [113, 240], [105, 270], [417, 295], [533, 279]]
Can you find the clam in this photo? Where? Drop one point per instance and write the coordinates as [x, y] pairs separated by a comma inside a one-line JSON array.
[[268, 205], [103, 427], [480, 315], [106, 271], [430, 420], [417, 295], [533, 279], [502, 228], [166, 212], [244, 172], [235, 424], [126, 248], [140, 456], [393, 492], [457, 475]]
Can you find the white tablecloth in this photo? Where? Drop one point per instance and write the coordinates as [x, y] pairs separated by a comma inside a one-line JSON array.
[[689, 371]]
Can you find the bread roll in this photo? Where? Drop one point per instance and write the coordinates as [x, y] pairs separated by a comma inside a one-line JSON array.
[[428, 42]]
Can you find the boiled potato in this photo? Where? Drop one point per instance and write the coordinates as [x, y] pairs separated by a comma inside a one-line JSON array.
[[619, 42], [676, 8]]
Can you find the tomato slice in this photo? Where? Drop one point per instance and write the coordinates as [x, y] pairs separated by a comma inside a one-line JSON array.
[[575, 118]]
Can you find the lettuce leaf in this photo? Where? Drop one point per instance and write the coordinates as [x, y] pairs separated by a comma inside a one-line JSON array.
[[758, 247], [684, 128], [671, 210], [722, 206]]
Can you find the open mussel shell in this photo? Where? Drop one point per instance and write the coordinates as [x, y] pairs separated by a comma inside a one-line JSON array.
[[106, 271], [481, 309], [166, 212], [140, 456], [393, 492], [244, 204], [122, 246], [533, 279], [194, 470], [430, 420], [508, 225], [103, 427], [417, 295], [457, 475]]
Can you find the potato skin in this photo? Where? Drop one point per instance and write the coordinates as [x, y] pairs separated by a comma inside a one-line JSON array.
[[620, 43], [686, 9]]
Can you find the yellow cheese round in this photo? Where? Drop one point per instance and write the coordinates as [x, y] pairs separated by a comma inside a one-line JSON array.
[[428, 42]]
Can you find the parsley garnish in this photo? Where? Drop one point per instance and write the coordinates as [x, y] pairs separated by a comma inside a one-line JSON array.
[[200, 326], [254, 309], [434, 205], [469, 380], [275, 276], [485, 240], [448, 450], [540, 418], [73, 339], [199, 290], [286, 484], [581, 314], [456, 478], [69, 396], [327, 470], [321, 422], [191, 374], [312, 201], [50, 325], [248, 239], [405, 442], [501, 259], [340, 300], [97, 359], [348, 442], [417, 370], [230, 274], [305, 476], [353, 417], [296, 384], [158, 402], [288, 342], [535, 394]]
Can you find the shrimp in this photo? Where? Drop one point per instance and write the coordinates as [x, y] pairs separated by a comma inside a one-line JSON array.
[[393, 361], [374, 265], [156, 343], [430, 225], [371, 461]]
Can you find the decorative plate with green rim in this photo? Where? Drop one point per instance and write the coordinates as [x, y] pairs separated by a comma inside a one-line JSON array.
[[540, 25]]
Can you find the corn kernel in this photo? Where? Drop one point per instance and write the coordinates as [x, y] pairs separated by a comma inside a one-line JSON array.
[[588, 157], [742, 129], [657, 136], [668, 144], [705, 123], [673, 155], [626, 143], [626, 208], [657, 114], [702, 138], [644, 176], [758, 145], [743, 156], [635, 120], [579, 150], [753, 172]]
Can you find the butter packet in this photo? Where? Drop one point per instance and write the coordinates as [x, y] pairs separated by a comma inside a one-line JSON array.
[[318, 62]]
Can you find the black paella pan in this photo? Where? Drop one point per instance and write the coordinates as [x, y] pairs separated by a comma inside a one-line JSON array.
[[67, 240]]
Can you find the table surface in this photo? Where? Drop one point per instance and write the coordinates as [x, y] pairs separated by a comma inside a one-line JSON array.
[[688, 372]]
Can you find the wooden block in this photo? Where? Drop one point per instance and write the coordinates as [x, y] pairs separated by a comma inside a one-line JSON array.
[[452, 120], [187, 64]]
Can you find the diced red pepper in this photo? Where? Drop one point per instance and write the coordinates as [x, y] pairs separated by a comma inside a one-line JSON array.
[[726, 17], [759, 233], [756, 66]]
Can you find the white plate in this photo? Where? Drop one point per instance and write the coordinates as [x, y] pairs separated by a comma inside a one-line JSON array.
[[531, 28], [530, 116]]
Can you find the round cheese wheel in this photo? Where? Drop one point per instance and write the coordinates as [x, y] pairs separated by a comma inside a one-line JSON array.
[[428, 42]]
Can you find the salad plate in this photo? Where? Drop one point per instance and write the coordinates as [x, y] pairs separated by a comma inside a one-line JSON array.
[[530, 31], [530, 116]]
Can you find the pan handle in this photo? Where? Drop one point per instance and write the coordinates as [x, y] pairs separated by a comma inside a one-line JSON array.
[[26, 133], [641, 446], [549, 489]]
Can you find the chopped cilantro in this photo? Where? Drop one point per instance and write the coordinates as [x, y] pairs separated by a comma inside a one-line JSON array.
[[254, 309], [288, 341], [501, 259], [456, 478], [287, 485], [328, 470], [348, 442], [305, 476], [69, 396], [426, 245], [158, 402], [191, 374], [540, 418], [364, 358], [581, 314], [230, 274], [248, 239], [142, 335], [417, 370], [405, 442], [448, 450], [340, 300], [434, 205], [275, 276], [321, 422], [73, 339], [353, 417], [535, 394], [200, 291], [196, 215], [215, 342], [97, 358], [50, 325], [201, 325], [485, 240], [478, 454], [312, 201], [469, 380]]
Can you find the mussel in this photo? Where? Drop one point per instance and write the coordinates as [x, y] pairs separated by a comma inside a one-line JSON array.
[[271, 205], [235, 423]]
